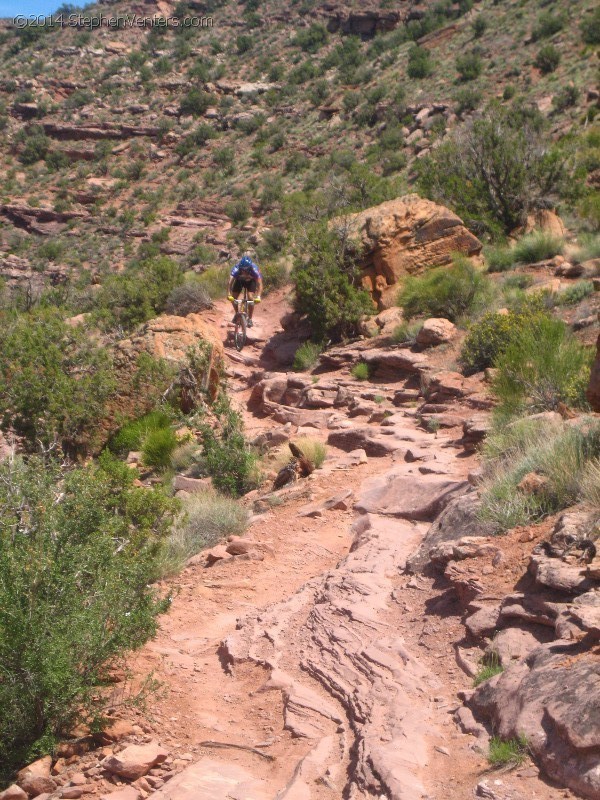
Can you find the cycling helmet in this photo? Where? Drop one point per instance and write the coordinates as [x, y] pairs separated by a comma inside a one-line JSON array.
[[246, 261]]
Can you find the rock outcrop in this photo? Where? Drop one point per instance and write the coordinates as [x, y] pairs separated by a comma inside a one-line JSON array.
[[403, 237], [593, 391]]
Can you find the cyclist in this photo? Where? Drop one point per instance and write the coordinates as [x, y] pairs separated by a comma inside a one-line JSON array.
[[246, 275]]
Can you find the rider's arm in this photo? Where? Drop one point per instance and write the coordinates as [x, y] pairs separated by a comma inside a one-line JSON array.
[[260, 285]]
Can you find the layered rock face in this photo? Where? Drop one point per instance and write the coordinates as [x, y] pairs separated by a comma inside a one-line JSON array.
[[403, 237]]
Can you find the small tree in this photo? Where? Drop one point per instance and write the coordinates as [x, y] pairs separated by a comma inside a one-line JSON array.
[[419, 62], [468, 66], [494, 170], [547, 59], [326, 278]]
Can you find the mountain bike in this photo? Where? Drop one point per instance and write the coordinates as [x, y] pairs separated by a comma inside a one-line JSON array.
[[240, 320]]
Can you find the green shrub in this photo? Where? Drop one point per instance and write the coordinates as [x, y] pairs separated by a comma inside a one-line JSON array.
[[307, 356], [35, 146], [509, 92], [590, 28], [196, 140], [547, 59], [467, 99], [574, 294], [489, 667], [447, 292], [158, 447], [184, 456], [499, 259], [313, 449], [468, 66], [560, 453], [420, 64], [537, 246], [544, 365], [226, 455], [244, 43], [547, 25], [54, 381], [238, 211], [566, 97], [195, 103], [494, 170], [360, 371], [312, 39], [214, 281], [511, 752], [93, 538], [479, 26], [325, 275]]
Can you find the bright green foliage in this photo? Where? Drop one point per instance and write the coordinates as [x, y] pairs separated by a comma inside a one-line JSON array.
[[360, 371], [226, 455], [77, 552], [311, 39], [562, 454], [307, 356], [547, 25], [511, 752], [543, 365], [537, 246], [442, 292], [493, 172], [499, 259], [406, 332], [490, 666], [54, 382], [133, 434], [158, 447], [325, 274], [575, 294]]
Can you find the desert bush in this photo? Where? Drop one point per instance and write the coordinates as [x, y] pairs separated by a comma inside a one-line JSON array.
[[547, 25], [543, 365], [325, 275], [574, 294], [244, 43], [208, 518], [307, 356], [467, 99], [54, 381], [479, 26], [489, 336], [499, 258], [562, 454], [406, 332], [312, 39], [590, 28], [566, 97], [93, 538], [214, 281], [189, 298], [547, 59], [238, 211], [138, 294], [420, 64], [494, 170], [196, 140], [446, 292], [537, 246], [195, 103], [469, 66], [313, 449], [184, 456], [35, 146], [226, 456]]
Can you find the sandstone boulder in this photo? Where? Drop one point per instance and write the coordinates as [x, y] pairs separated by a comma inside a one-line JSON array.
[[135, 761], [436, 331], [553, 699], [35, 779], [403, 237], [399, 495], [13, 792]]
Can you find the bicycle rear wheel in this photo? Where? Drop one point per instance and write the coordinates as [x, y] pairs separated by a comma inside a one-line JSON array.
[[239, 334]]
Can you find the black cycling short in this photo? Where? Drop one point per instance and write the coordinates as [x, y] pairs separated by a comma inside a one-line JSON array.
[[239, 283]]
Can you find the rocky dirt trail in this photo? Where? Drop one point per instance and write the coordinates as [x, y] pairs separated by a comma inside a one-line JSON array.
[[314, 665]]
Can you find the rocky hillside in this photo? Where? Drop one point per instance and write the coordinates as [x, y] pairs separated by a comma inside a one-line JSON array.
[[204, 140]]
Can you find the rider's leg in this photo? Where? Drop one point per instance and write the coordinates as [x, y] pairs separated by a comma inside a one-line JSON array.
[[250, 304]]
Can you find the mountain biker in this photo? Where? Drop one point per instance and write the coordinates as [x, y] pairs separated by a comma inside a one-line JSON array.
[[246, 275]]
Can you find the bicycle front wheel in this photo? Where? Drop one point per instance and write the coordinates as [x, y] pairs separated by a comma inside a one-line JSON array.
[[239, 335]]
